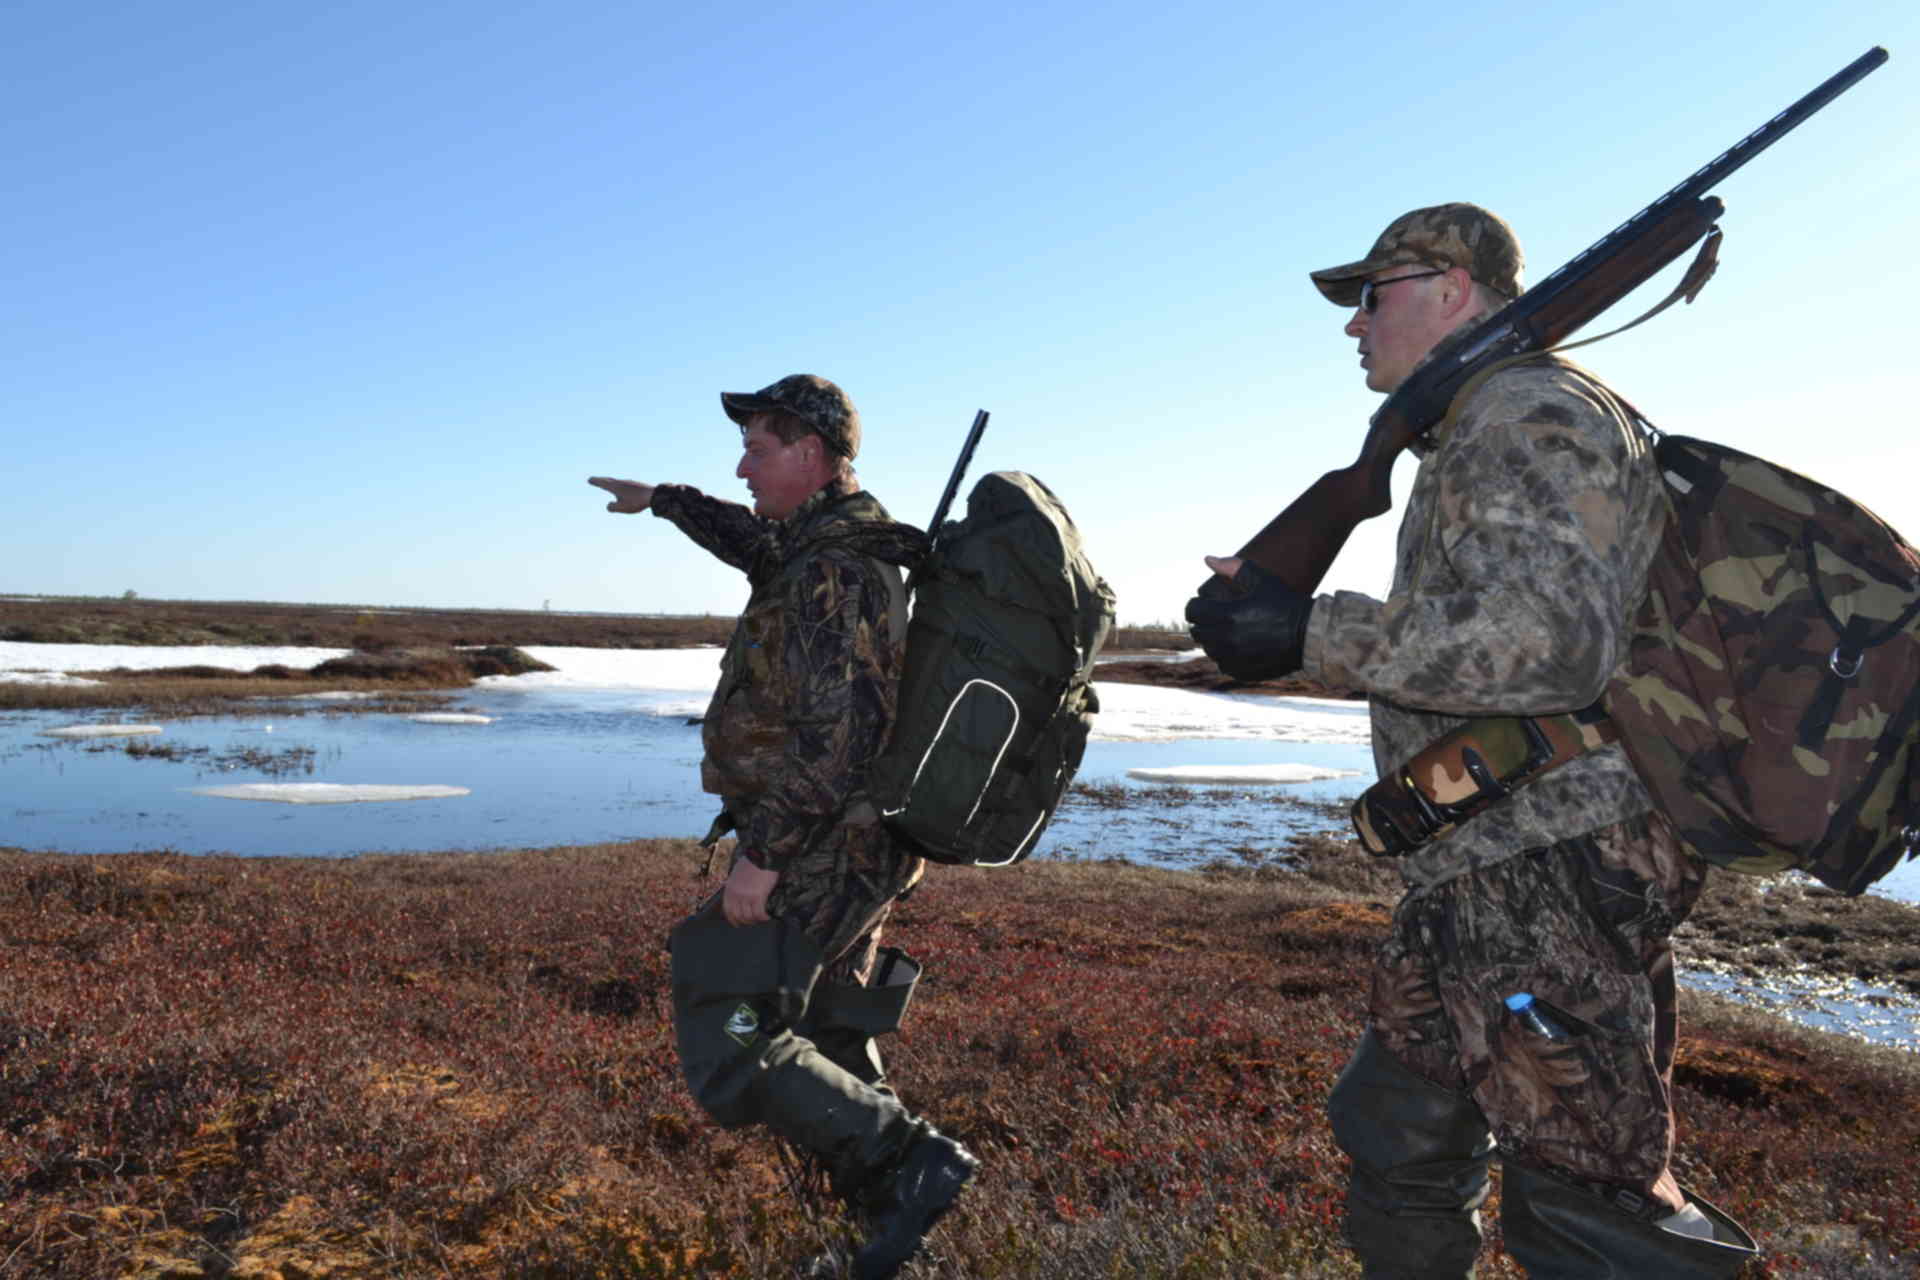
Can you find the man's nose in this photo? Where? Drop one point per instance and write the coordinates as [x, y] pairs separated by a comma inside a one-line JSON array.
[[1357, 323]]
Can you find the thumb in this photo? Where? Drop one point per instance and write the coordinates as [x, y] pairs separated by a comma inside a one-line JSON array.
[[1225, 566]]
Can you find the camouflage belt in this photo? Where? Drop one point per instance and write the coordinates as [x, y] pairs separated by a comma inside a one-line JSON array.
[[1458, 775]]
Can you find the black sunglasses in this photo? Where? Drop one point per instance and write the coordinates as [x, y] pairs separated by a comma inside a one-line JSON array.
[[1369, 289]]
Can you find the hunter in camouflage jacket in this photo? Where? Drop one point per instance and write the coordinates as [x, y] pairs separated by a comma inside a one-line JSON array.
[[1522, 555], [806, 697]]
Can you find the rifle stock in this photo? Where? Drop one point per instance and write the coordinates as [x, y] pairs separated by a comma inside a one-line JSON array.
[[1300, 544]]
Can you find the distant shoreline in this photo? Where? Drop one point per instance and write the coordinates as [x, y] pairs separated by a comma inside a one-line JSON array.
[[39, 619]]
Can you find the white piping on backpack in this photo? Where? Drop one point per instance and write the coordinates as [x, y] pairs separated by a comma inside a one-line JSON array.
[[951, 706]]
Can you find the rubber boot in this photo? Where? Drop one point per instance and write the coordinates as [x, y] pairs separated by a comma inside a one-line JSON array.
[[842, 1019], [859, 1133], [1559, 1231], [1420, 1155], [925, 1186]]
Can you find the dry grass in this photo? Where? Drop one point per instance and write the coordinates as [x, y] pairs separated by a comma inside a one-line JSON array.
[[463, 1065], [67, 620]]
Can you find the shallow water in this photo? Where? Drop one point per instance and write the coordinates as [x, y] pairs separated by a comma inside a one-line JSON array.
[[554, 766]]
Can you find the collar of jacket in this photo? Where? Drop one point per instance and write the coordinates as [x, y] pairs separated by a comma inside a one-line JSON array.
[[836, 515]]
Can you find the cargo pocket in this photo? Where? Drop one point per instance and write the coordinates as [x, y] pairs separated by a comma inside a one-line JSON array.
[[1571, 1092]]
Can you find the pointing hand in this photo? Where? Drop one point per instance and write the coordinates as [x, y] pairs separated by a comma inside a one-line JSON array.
[[629, 496]]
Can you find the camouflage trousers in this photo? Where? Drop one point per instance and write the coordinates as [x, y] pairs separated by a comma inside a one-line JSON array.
[[1585, 926]]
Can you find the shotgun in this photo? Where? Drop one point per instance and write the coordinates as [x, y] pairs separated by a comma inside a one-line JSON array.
[[953, 481], [1299, 545]]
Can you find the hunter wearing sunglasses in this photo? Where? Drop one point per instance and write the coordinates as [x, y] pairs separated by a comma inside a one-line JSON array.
[[1522, 553]]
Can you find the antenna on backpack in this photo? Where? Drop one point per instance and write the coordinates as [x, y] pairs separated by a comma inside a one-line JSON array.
[[953, 481]]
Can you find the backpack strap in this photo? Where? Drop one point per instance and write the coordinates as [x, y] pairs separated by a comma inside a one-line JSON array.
[[1461, 773], [1698, 272]]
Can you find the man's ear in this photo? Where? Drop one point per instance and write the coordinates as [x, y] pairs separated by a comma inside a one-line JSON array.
[[1458, 292]]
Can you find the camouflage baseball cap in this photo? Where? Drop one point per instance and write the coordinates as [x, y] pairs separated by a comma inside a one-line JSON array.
[[1443, 235], [812, 399]]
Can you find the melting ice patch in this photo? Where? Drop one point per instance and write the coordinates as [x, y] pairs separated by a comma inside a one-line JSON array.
[[329, 792], [575, 668], [1148, 713], [1241, 774], [100, 731], [26, 658]]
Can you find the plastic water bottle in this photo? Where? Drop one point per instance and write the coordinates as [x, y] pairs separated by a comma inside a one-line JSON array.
[[1534, 1017]]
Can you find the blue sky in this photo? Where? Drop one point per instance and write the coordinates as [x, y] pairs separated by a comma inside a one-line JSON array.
[[343, 302]]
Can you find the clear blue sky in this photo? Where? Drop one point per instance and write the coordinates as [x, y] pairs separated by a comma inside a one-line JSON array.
[[342, 302]]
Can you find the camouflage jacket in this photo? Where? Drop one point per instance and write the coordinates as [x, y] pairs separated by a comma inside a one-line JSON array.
[[809, 682], [1522, 555]]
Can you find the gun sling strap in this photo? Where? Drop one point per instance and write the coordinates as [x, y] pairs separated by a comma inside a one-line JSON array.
[[1460, 774]]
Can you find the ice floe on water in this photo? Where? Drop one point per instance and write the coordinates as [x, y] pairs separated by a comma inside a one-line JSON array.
[[670, 670], [329, 792], [100, 731], [323, 695], [1241, 775], [449, 717], [1148, 713]]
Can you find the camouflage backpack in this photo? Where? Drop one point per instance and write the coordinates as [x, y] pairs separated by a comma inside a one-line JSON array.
[[1771, 696], [996, 699]]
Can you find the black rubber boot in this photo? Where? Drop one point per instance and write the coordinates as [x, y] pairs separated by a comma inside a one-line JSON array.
[[926, 1184], [1420, 1155], [855, 1130], [1559, 1231]]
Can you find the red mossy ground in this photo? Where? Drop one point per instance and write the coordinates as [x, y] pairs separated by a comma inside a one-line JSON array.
[[463, 1065]]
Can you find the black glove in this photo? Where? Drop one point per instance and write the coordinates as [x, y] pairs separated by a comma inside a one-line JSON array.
[[1253, 625]]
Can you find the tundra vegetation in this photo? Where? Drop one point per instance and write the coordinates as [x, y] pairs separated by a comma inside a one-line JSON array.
[[463, 1065]]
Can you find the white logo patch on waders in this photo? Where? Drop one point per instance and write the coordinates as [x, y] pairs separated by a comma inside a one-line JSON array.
[[743, 1024]]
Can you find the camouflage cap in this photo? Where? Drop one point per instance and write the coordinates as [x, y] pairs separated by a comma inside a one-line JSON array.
[[1442, 235], [812, 399]]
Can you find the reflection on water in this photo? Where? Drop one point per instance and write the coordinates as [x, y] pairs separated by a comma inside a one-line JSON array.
[[1844, 1005], [555, 766]]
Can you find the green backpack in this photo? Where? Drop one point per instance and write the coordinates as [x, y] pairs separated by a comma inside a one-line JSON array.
[[1771, 697], [997, 698]]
